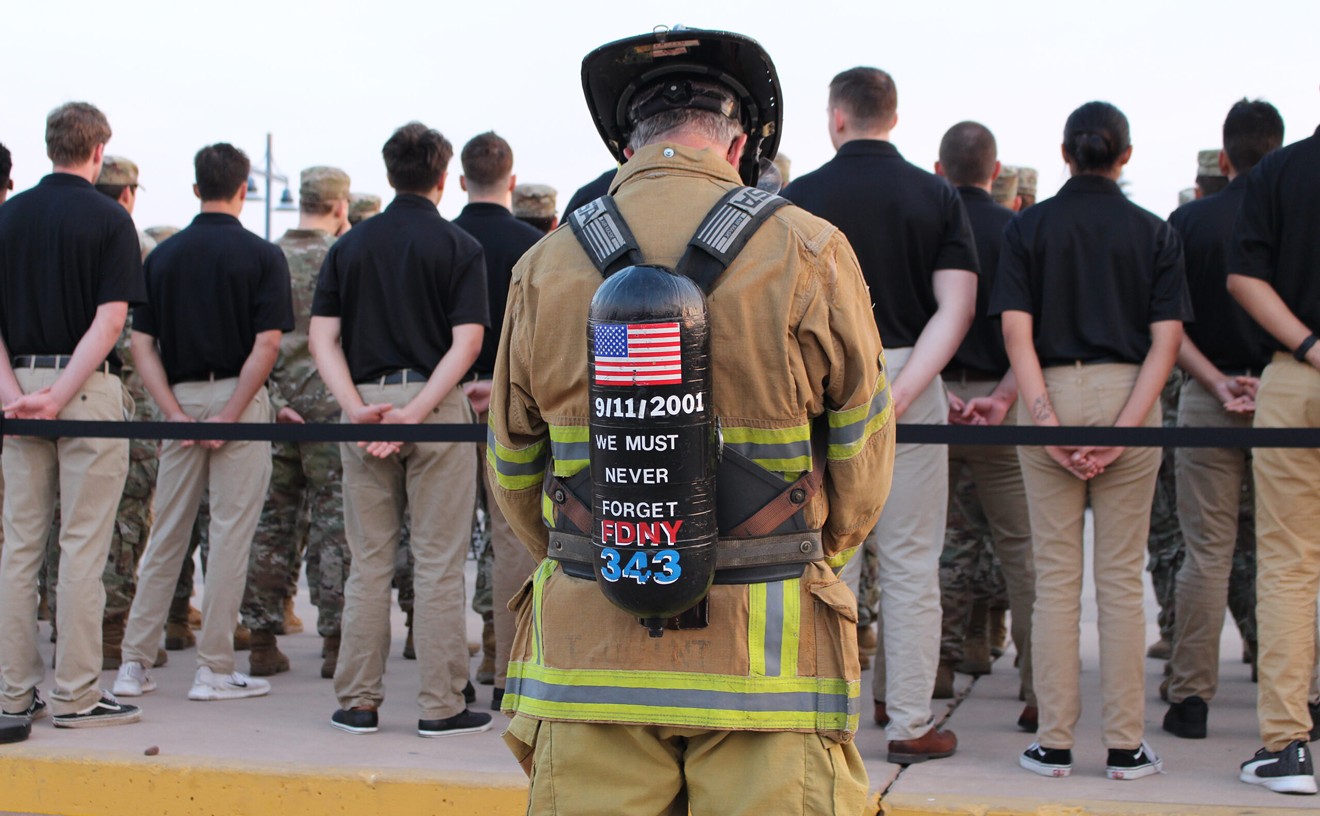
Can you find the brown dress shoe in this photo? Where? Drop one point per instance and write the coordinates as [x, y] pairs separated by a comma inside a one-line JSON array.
[[934, 744], [881, 714], [1029, 719]]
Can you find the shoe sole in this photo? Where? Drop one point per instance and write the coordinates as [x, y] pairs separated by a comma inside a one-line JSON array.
[[209, 695], [913, 759], [1282, 784], [122, 691], [1054, 771], [1128, 774], [100, 721], [354, 729], [453, 732]]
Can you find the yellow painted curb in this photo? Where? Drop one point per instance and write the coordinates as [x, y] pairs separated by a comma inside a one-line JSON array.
[[938, 805], [126, 785]]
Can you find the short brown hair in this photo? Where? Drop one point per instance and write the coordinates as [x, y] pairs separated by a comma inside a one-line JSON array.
[[867, 94], [73, 130], [487, 159], [416, 157], [221, 170], [968, 154]]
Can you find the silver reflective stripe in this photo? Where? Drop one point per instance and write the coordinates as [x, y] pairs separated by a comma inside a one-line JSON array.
[[773, 450], [797, 701], [505, 467], [856, 431], [569, 451], [774, 627]]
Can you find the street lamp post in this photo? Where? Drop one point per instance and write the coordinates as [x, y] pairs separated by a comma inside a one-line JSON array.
[[286, 199]]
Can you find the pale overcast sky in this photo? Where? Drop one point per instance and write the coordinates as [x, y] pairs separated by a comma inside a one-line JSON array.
[[331, 79]]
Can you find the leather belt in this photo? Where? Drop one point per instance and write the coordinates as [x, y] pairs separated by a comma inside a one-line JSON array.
[[55, 361], [754, 560], [403, 376]]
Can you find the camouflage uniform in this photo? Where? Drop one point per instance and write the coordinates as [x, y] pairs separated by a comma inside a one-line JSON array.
[[304, 508], [967, 536], [1165, 542], [1242, 580]]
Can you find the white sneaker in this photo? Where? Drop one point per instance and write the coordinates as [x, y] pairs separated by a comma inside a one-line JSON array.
[[133, 680], [234, 686]]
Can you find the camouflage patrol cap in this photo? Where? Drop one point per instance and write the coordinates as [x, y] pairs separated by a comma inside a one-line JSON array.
[[1207, 163], [159, 234], [1026, 181], [1186, 196], [117, 171], [322, 185], [534, 201], [362, 206], [1004, 189]]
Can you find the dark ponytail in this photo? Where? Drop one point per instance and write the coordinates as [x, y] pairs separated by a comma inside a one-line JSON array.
[[1095, 136]]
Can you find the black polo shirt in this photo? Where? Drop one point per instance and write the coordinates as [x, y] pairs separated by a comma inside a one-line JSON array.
[[504, 239], [400, 282], [65, 250], [902, 222], [211, 289], [1276, 237], [1094, 271], [982, 350], [591, 191], [1223, 330]]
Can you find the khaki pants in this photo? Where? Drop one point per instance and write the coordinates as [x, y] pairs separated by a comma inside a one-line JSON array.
[[1209, 489], [87, 476], [589, 769], [1287, 552], [434, 483], [997, 474], [908, 539], [1121, 500], [235, 478], [513, 566]]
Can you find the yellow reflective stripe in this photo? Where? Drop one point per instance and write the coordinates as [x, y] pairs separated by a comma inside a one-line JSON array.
[[851, 428], [787, 450], [756, 629], [840, 558], [788, 654], [515, 468], [543, 572], [547, 510], [570, 447]]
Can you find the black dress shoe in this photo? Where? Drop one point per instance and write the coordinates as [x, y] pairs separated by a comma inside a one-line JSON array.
[[356, 720], [1187, 719]]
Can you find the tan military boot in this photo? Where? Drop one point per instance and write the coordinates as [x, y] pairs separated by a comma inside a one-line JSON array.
[[944, 681], [977, 659], [486, 671], [178, 634], [330, 653], [266, 659], [293, 624], [242, 638], [998, 632], [112, 640]]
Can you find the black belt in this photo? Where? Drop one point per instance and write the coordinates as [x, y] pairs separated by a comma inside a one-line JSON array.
[[1058, 362], [403, 376], [56, 361], [756, 560]]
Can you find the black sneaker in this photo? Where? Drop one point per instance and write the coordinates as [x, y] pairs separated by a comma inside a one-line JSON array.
[[1133, 763], [464, 722], [1288, 771], [356, 720], [35, 710], [1187, 719], [496, 698], [14, 728], [1047, 761], [106, 711], [469, 693]]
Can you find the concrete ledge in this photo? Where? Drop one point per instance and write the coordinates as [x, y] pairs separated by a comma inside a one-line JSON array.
[[45, 782]]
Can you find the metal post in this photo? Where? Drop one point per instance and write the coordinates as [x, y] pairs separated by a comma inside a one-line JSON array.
[[268, 187]]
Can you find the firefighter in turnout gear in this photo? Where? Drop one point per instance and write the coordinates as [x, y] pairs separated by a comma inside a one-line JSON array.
[[758, 681]]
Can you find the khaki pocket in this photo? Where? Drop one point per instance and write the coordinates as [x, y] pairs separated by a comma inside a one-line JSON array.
[[835, 618], [521, 737]]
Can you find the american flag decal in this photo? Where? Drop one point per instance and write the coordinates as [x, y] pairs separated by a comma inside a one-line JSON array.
[[638, 354]]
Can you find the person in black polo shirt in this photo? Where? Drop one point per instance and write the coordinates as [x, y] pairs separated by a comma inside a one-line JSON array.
[[919, 259], [489, 181], [1224, 352], [985, 482], [1092, 298], [69, 268], [1274, 272], [205, 341], [397, 321]]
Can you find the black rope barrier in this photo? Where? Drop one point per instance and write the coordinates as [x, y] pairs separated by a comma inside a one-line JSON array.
[[454, 432]]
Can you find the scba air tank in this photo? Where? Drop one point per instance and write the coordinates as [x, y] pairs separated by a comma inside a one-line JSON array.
[[653, 443]]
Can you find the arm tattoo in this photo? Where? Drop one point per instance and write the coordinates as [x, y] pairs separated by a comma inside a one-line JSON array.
[[1041, 409]]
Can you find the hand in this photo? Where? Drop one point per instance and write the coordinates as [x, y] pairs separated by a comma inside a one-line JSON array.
[[902, 400], [985, 411], [393, 416], [1231, 388], [1102, 458], [288, 416], [1244, 404], [1073, 460], [478, 394], [181, 417], [215, 444], [37, 405]]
